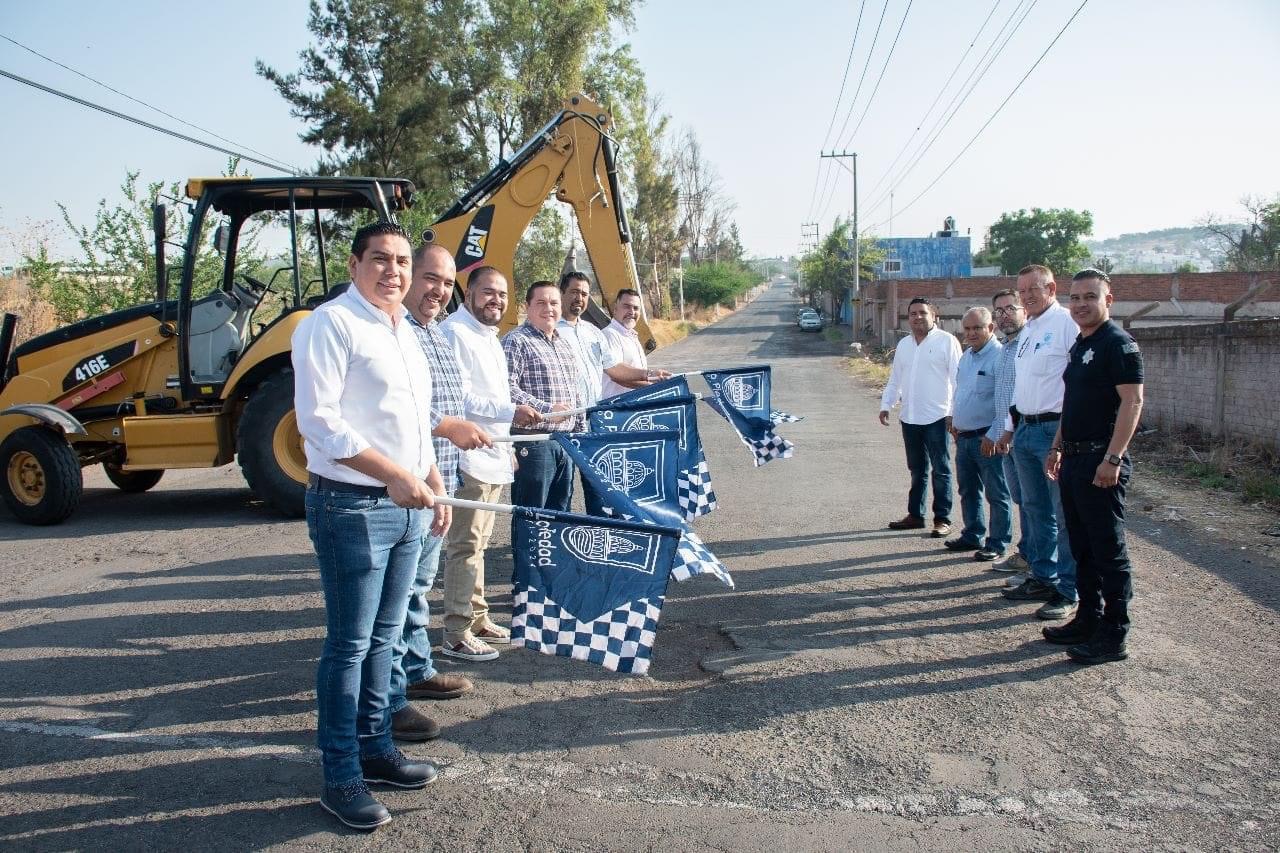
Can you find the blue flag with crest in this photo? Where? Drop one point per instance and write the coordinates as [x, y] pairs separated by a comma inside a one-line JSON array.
[[590, 588], [667, 405], [741, 396], [747, 389], [629, 475]]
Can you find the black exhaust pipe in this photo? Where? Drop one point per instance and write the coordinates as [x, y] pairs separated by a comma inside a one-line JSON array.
[[7, 329]]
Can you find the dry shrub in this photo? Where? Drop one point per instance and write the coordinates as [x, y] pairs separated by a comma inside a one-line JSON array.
[[35, 316], [1248, 468]]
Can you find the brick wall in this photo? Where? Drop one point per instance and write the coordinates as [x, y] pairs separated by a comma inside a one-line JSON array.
[[1220, 378]]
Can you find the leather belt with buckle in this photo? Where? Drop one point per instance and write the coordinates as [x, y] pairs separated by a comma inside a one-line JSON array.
[[324, 484], [1075, 448], [1043, 418]]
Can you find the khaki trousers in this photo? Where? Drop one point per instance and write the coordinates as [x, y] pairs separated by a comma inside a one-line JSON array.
[[464, 604]]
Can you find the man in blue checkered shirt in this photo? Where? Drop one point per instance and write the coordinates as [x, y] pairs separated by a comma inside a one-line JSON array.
[[1010, 317], [543, 371], [413, 676]]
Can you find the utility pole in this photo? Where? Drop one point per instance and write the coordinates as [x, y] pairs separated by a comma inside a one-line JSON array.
[[857, 272], [680, 278]]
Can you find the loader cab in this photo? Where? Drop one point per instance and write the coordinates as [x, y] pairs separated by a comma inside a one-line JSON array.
[[257, 251]]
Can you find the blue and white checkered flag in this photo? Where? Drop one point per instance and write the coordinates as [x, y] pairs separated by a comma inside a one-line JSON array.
[[783, 418], [668, 409], [625, 488], [589, 588]]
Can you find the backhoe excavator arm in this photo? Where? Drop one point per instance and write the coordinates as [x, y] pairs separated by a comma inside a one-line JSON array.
[[574, 157]]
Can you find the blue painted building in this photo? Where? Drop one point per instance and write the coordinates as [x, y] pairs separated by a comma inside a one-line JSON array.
[[925, 257]]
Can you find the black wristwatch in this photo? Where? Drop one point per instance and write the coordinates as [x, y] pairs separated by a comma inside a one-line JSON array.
[[1113, 459]]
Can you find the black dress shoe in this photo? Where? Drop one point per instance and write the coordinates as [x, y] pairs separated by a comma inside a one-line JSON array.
[[986, 555], [354, 806], [410, 724], [394, 769], [910, 522], [1101, 648], [961, 544], [1079, 630]]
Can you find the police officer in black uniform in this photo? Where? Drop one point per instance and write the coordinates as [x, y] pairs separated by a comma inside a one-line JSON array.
[[1088, 458]]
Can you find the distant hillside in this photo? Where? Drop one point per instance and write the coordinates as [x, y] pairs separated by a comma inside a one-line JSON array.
[[1163, 250]]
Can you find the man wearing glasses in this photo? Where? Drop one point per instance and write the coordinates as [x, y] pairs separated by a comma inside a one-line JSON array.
[[1040, 358], [1010, 317]]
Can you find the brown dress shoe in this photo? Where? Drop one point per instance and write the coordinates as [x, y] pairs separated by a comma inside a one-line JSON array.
[[940, 529], [412, 725], [440, 686], [910, 522]]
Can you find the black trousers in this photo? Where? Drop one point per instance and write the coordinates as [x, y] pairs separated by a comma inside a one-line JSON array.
[[1095, 525]]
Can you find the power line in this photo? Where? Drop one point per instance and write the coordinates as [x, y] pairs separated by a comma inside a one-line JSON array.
[[938, 97], [985, 124], [109, 88], [867, 108], [959, 98], [852, 103], [157, 128], [836, 110]]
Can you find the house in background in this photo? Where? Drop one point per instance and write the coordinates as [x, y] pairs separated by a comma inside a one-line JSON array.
[[946, 254]]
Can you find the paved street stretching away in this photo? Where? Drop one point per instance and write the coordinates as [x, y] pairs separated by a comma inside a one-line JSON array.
[[861, 689]]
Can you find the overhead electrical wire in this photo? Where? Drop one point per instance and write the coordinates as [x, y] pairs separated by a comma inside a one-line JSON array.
[[126, 95], [836, 109], [141, 123], [871, 98], [853, 103], [937, 98], [959, 98], [992, 118]]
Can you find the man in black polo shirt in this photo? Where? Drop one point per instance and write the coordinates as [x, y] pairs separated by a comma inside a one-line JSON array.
[[1100, 412]]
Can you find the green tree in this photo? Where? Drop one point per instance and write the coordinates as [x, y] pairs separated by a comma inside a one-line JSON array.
[[540, 255], [1184, 267], [721, 283], [1050, 237], [1254, 247], [829, 268]]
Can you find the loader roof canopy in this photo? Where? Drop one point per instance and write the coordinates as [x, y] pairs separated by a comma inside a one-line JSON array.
[[241, 196]]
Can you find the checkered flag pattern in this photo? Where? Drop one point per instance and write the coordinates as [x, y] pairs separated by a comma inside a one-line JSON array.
[[694, 493], [769, 448], [620, 640], [783, 418], [694, 558]]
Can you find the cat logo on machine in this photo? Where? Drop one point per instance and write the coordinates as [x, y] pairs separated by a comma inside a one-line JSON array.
[[475, 242], [97, 364]]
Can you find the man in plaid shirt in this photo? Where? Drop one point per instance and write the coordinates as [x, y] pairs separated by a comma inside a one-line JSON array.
[[413, 676], [543, 371]]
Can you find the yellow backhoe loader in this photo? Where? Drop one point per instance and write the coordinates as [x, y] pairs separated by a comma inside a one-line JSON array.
[[196, 381]]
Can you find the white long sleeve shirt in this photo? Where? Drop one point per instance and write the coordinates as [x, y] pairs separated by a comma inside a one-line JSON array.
[[923, 377], [593, 356], [625, 344], [1044, 348], [486, 393], [361, 381]]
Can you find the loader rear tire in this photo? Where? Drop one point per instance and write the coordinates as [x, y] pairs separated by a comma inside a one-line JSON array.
[[132, 481], [42, 481], [270, 447]]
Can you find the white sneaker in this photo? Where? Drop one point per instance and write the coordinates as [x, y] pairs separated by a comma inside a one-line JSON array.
[[1015, 562], [469, 648]]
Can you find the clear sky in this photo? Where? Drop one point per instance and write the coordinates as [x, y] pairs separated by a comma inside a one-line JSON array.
[[1149, 113]]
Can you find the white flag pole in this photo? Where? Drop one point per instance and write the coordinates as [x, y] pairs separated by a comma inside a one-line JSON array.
[[535, 436], [477, 505]]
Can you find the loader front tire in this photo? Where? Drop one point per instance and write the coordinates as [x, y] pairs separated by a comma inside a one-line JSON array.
[[132, 481], [270, 447], [42, 482]]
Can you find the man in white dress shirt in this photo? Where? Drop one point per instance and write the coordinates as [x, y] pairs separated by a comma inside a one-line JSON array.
[[923, 378], [362, 394], [473, 333], [621, 336], [595, 359], [1044, 350]]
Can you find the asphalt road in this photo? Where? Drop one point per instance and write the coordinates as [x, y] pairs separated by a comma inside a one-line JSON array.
[[861, 689]]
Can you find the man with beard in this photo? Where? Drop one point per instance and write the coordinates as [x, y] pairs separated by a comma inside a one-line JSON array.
[[472, 332], [923, 378], [623, 340], [1010, 317], [1100, 409], [594, 357]]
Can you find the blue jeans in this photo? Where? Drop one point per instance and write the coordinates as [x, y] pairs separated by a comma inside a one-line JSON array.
[[1015, 495], [927, 449], [411, 654], [1050, 552], [982, 478], [368, 552], [544, 478]]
